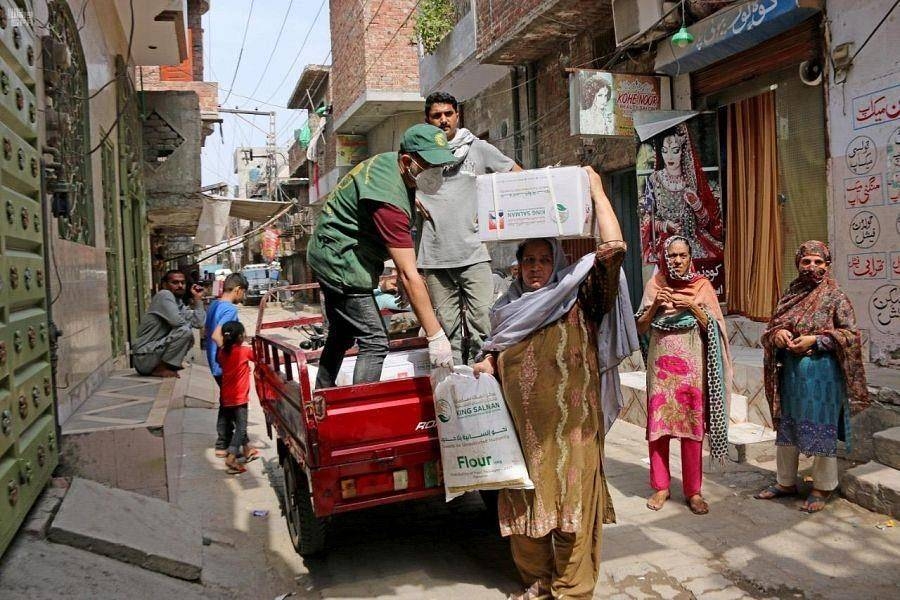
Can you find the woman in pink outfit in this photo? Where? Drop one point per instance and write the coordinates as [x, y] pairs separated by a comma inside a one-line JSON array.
[[688, 371]]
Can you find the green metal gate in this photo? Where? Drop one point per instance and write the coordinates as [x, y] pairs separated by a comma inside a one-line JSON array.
[[28, 452]]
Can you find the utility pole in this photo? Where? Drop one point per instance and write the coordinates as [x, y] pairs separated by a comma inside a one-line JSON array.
[[271, 159], [271, 151]]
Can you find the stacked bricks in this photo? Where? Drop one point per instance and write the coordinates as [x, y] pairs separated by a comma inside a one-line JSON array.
[[160, 140]]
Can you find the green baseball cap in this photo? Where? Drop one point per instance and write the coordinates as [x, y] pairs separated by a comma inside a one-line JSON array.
[[429, 142]]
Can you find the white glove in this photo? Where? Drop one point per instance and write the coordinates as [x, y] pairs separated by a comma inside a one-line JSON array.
[[439, 350]]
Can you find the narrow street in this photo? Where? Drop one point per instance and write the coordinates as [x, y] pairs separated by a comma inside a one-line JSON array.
[[744, 548], [467, 177]]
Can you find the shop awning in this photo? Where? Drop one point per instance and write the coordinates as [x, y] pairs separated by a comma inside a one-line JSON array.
[[246, 208], [648, 123], [732, 30], [217, 209]]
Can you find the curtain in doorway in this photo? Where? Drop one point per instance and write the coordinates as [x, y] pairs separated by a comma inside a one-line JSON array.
[[753, 244]]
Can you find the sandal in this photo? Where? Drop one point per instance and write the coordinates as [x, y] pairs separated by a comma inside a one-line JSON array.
[[252, 455], [702, 506], [221, 453], [236, 470], [774, 491], [815, 503], [659, 507]]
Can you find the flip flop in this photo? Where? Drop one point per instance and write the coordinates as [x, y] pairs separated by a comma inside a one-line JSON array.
[[812, 499], [236, 470], [221, 453], [775, 492], [253, 455]]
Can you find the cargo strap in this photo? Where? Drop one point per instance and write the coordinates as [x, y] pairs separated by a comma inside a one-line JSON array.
[[556, 212]]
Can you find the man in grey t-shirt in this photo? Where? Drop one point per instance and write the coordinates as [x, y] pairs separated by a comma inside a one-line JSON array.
[[456, 263]]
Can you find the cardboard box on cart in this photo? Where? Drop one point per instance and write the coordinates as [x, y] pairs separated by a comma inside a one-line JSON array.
[[397, 364], [550, 202]]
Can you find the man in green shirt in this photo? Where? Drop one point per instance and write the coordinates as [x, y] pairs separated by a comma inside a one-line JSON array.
[[365, 221]]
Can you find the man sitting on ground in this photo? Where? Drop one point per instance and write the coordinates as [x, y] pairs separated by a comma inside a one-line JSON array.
[[164, 334]]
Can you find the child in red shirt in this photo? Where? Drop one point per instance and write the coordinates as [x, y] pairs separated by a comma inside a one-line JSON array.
[[235, 358]]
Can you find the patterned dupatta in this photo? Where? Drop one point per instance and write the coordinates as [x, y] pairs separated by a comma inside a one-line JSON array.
[[718, 356], [815, 305]]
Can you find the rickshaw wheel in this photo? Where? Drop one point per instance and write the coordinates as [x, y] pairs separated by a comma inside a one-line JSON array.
[[307, 532]]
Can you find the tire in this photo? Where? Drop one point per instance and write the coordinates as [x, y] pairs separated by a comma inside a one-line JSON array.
[[307, 532]]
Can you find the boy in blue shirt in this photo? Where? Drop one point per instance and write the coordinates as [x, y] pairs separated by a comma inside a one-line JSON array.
[[220, 312]]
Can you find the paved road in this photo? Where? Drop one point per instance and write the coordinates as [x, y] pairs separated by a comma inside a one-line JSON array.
[[744, 548]]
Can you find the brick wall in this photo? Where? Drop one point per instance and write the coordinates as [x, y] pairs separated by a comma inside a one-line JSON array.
[[191, 69], [148, 79], [348, 53], [552, 141], [196, 8], [391, 56], [495, 20], [183, 71], [381, 57]]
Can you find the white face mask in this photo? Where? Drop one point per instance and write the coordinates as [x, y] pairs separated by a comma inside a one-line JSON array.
[[430, 180]]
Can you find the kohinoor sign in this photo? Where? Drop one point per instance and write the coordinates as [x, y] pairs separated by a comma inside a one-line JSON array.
[[603, 103]]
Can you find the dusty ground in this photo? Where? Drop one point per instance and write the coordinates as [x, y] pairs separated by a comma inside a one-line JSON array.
[[744, 548]]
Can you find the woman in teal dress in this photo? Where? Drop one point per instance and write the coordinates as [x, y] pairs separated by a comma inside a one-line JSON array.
[[814, 376]]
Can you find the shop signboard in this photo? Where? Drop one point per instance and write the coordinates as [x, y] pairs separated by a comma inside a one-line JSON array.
[[679, 192], [867, 213], [732, 30], [351, 150], [603, 103]]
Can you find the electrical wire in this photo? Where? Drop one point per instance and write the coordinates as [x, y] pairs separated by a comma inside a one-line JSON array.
[[349, 33], [238, 239], [393, 37], [209, 46], [297, 56], [120, 110], [241, 51], [275, 47], [877, 27]]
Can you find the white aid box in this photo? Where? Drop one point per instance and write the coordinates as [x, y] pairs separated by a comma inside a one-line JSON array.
[[397, 365], [551, 202]]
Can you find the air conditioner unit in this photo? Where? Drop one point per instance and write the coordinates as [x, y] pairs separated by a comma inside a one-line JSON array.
[[633, 18]]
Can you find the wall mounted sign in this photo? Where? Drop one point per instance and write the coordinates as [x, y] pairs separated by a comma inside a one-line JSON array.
[[351, 150], [733, 30], [603, 103]]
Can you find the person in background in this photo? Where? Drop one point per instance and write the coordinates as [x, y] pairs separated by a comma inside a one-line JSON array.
[[513, 270], [234, 358], [164, 333], [557, 337], [366, 220], [814, 376], [685, 348], [221, 311], [456, 263], [387, 294]]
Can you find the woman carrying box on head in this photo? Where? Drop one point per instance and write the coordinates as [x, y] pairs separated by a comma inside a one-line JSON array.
[[556, 339]]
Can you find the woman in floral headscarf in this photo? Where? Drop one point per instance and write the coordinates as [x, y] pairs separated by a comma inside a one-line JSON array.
[[814, 376], [685, 347]]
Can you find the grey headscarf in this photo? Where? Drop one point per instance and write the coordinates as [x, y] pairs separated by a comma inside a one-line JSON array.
[[519, 313], [517, 287]]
